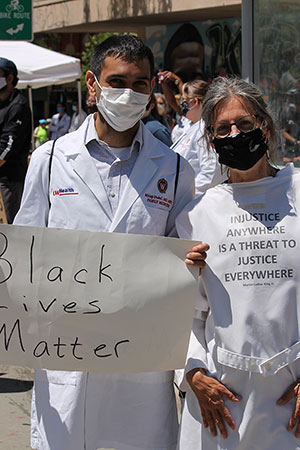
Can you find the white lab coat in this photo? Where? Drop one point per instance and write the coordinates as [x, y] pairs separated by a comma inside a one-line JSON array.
[[181, 126], [76, 120], [86, 411], [250, 339], [59, 127], [193, 148]]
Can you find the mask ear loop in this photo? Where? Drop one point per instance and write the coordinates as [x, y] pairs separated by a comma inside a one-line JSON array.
[[264, 124], [270, 162], [98, 84]]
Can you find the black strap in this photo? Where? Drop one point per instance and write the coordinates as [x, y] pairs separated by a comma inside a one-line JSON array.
[[181, 393], [49, 170], [177, 175]]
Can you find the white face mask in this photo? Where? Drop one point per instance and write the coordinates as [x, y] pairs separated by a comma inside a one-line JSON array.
[[2, 82], [121, 108]]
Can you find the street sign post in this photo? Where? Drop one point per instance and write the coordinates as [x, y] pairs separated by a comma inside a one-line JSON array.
[[16, 20]]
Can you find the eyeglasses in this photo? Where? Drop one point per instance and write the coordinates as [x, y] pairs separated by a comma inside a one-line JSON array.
[[244, 124]]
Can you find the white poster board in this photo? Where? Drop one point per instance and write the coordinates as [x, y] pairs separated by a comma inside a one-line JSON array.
[[104, 302]]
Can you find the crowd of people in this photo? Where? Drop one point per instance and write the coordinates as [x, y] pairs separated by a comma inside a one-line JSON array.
[[59, 124], [214, 146]]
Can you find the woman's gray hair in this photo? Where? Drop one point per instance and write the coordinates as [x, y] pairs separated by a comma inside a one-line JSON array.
[[224, 88]]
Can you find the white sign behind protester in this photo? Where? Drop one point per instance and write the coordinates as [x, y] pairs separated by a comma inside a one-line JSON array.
[[105, 302]]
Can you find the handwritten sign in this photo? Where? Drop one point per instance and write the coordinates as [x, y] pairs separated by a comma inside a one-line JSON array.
[[105, 302]]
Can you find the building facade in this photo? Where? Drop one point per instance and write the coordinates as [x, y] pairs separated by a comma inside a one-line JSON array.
[[195, 38]]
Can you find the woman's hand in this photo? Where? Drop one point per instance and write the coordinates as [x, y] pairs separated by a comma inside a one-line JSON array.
[[292, 392], [197, 256], [166, 76], [210, 393]]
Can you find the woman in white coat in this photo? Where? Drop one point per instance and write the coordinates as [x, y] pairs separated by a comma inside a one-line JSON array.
[[191, 144], [243, 364]]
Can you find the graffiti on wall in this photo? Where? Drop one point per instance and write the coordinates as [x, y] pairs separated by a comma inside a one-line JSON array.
[[279, 50], [198, 49]]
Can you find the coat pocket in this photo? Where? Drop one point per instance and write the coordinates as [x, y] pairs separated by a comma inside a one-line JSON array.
[[58, 377], [147, 220], [264, 366]]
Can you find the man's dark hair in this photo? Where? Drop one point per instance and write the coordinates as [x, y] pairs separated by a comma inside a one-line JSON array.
[[124, 46]]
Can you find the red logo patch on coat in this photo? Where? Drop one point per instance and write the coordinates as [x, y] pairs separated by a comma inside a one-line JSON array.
[[162, 185]]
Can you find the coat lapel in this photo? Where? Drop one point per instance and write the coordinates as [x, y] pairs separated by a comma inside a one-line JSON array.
[[83, 165]]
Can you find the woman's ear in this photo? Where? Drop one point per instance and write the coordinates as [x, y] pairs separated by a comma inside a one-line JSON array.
[[265, 128]]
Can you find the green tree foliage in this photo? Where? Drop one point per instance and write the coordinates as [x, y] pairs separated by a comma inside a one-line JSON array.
[[87, 54], [47, 40]]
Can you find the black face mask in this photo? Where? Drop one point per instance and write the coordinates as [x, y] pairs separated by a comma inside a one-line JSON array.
[[243, 150], [184, 108]]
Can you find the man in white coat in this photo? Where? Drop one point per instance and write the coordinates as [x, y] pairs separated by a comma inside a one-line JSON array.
[[60, 122], [77, 117], [114, 165]]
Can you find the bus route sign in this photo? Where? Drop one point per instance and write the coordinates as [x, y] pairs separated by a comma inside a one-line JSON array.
[[16, 20]]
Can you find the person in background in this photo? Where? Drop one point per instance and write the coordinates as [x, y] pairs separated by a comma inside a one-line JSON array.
[[60, 122], [114, 164], [15, 138], [161, 110], [154, 126], [77, 119], [90, 103], [191, 144], [290, 123], [40, 133], [182, 122], [170, 83], [243, 366]]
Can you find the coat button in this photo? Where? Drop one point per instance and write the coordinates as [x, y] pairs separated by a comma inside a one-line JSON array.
[[112, 194], [252, 365]]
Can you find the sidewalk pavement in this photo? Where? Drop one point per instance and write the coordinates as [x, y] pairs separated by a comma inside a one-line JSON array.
[[15, 398]]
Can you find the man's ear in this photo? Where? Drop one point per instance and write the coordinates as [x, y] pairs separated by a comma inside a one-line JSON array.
[[10, 79], [152, 84], [91, 83]]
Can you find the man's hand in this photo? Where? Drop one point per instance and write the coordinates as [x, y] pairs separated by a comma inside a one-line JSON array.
[[210, 393], [2, 161], [292, 392], [197, 256]]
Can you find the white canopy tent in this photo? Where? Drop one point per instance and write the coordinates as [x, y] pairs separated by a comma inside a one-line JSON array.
[[39, 67]]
